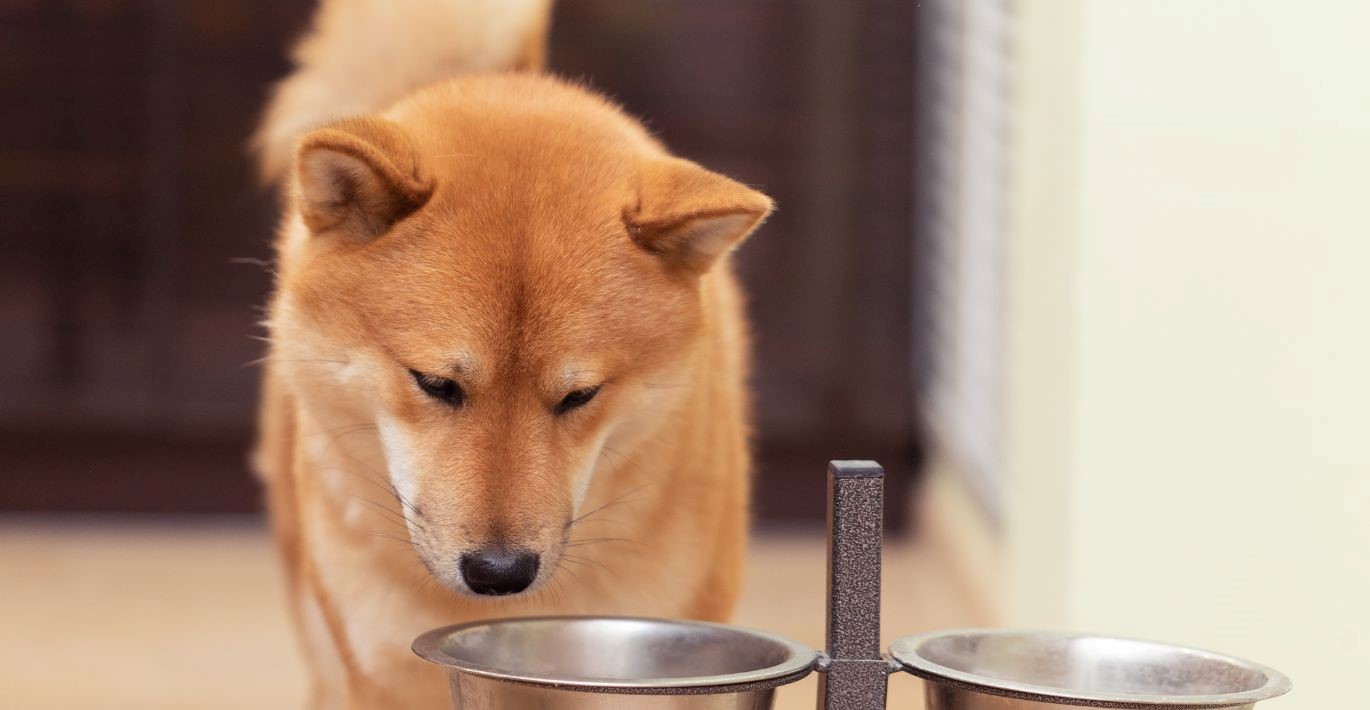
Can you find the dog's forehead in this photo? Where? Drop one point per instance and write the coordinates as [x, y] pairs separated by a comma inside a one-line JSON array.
[[522, 249], [533, 262], [549, 291]]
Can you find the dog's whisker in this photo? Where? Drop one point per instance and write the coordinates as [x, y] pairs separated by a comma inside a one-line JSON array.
[[636, 467], [267, 264], [573, 574], [610, 521], [599, 540], [362, 476], [393, 516], [387, 536], [594, 564], [381, 478], [589, 517], [385, 480], [345, 431], [620, 500], [416, 521]]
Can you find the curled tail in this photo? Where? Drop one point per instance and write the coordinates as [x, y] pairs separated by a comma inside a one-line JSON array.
[[360, 56]]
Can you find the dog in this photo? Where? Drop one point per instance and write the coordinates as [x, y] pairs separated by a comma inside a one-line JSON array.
[[507, 354]]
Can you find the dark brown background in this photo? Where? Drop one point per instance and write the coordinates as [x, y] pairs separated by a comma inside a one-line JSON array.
[[133, 231]]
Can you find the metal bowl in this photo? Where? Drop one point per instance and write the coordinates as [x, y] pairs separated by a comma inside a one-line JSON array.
[[964, 666], [556, 662]]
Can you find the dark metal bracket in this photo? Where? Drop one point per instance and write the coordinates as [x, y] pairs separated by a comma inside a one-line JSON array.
[[854, 674]]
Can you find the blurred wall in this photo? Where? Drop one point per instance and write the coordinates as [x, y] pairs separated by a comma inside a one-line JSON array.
[[131, 269], [1189, 311]]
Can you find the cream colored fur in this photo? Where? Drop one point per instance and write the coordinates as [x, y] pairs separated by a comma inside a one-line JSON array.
[[361, 56]]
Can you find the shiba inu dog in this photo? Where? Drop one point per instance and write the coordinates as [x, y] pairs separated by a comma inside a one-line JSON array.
[[507, 360]]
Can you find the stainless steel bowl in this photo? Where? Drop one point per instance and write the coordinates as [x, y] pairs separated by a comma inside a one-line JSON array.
[[557, 663], [1004, 670]]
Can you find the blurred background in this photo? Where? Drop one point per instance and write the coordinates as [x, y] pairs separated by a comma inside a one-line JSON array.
[[1091, 280]]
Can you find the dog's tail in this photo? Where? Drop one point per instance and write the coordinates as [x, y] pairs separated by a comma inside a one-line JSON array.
[[362, 55]]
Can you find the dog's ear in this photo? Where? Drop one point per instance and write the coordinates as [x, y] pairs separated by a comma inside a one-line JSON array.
[[358, 177], [691, 216]]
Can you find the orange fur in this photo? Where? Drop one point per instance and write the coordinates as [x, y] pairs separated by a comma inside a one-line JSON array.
[[525, 238]]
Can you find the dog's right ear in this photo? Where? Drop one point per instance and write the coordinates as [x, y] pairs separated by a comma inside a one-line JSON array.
[[358, 177]]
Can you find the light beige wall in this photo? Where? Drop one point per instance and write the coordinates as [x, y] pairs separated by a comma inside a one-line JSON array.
[[1189, 365], [1041, 360]]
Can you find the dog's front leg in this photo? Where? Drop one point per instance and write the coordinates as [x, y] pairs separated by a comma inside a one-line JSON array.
[[333, 679]]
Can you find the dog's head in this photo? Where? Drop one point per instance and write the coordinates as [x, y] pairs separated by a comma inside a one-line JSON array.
[[507, 276]]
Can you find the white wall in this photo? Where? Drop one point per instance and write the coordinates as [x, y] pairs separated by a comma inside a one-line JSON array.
[[1188, 379]]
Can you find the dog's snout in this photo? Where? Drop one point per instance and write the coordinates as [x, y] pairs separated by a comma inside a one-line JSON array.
[[496, 571]]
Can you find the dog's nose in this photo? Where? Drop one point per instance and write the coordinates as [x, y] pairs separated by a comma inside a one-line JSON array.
[[496, 571]]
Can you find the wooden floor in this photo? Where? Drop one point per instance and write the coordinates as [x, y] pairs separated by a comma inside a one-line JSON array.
[[152, 614]]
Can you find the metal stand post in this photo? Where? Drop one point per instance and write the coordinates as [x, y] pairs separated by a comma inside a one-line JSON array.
[[854, 675]]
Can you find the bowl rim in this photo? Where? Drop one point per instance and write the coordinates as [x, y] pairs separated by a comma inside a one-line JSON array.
[[906, 653], [799, 662]]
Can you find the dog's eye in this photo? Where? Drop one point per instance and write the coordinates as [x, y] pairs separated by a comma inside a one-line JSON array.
[[439, 388], [579, 398]]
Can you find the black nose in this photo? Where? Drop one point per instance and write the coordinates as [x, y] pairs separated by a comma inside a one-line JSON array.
[[496, 571]]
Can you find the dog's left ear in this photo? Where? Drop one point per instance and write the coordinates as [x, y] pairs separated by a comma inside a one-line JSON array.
[[691, 216], [358, 177]]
